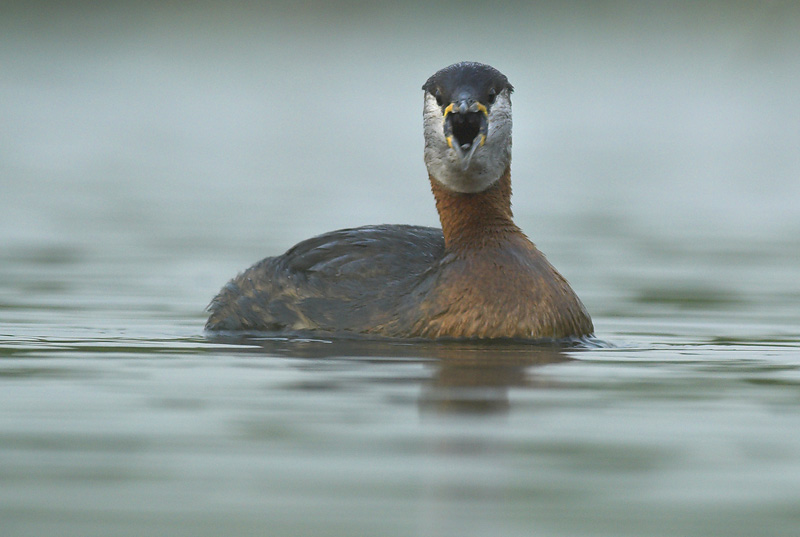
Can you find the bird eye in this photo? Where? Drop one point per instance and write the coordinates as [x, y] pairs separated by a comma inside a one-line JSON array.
[[492, 96], [439, 99]]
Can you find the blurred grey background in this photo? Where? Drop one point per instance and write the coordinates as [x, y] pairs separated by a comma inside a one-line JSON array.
[[233, 130]]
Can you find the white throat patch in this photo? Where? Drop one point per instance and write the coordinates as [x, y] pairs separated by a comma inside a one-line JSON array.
[[489, 161]]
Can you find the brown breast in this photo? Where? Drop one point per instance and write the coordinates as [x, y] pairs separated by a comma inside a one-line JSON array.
[[493, 282]]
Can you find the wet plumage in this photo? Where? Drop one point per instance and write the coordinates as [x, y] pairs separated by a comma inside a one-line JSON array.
[[354, 280]]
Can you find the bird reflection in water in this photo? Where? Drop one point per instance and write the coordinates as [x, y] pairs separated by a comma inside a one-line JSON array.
[[468, 377]]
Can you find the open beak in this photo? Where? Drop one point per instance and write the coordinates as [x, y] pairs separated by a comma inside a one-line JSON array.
[[465, 128]]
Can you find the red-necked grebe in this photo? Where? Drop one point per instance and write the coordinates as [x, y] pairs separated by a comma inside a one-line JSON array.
[[477, 277]]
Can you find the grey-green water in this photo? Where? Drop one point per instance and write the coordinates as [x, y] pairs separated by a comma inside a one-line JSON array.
[[149, 153]]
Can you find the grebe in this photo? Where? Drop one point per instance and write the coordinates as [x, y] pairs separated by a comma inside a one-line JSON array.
[[477, 277]]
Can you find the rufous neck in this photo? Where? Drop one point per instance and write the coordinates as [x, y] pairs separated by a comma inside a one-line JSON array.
[[476, 220]]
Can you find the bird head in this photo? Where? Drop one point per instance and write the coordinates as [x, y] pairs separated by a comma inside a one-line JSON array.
[[467, 126]]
